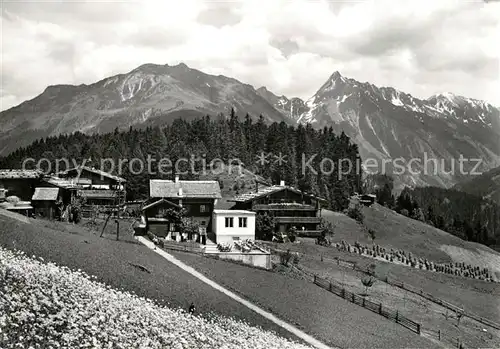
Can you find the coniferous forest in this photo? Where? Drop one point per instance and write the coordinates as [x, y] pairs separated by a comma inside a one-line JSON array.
[[467, 216], [224, 138]]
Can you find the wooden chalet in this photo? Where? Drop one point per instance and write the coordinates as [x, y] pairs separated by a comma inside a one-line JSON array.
[[289, 206], [20, 183], [197, 198], [99, 188]]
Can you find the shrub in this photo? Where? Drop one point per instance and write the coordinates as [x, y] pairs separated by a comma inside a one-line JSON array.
[[367, 282], [285, 257], [356, 213]]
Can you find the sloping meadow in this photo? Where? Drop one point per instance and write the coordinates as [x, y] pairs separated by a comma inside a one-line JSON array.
[[45, 305]]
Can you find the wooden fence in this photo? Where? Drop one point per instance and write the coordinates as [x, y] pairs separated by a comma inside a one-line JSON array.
[[176, 246], [443, 303], [455, 342], [374, 307], [421, 293]]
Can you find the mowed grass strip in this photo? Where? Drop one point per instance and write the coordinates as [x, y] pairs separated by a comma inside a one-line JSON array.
[[319, 313], [112, 262]]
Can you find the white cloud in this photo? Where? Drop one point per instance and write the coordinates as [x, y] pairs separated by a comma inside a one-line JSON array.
[[421, 48]]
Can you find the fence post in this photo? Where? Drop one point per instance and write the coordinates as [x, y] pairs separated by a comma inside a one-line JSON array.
[[439, 334], [364, 301], [315, 278], [397, 315], [458, 342], [343, 293], [117, 229], [380, 308], [330, 287], [418, 328]]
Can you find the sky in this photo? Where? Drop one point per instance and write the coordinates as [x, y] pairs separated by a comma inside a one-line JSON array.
[[289, 46]]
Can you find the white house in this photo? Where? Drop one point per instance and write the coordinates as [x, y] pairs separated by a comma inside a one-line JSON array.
[[233, 225]]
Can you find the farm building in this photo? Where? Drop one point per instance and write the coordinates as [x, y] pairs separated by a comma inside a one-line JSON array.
[[367, 199], [197, 198], [157, 220], [233, 225], [46, 202], [98, 187], [20, 183], [289, 206]]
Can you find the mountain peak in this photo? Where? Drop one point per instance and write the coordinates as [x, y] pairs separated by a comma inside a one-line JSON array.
[[336, 75]]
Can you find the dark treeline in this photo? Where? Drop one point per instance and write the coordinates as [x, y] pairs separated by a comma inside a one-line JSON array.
[[464, 215], [222, 138]]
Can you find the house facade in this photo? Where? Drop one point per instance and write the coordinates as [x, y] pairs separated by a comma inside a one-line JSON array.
[[158, 221], [289, 206], [99, 188], [233, 225], [196, 198]]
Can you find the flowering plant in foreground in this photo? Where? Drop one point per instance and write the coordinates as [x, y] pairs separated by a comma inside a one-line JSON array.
[[44, 305]]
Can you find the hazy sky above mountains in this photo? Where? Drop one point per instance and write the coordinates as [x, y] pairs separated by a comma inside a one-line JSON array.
[[290, 46]]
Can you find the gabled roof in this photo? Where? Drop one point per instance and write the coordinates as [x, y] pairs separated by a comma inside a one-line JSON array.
[[270, 190], [67, 183], [94, 170], [159, 202], [19, 174], [160, 188], [45, 194], [234, 212]]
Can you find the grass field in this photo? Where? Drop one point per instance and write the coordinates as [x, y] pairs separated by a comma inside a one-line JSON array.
[[112, 262], [399, 232], [432, 316], [333, 320]]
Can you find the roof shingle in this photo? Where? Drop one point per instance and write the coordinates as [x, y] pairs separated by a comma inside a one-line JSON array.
[[45, 194], [19, 174], [159, 188], [269, 190]]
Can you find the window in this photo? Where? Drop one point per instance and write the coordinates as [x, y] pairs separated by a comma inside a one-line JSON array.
[[203, 222], [242, 222], [229, 222], [236, 238], [203, 208]]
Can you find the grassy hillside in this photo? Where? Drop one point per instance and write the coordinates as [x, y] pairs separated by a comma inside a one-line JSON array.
[[329, 318], [115, 263], [401, 233], [303, 304], [396, 231]]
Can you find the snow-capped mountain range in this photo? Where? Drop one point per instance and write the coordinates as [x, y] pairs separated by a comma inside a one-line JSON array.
[[384, 122]]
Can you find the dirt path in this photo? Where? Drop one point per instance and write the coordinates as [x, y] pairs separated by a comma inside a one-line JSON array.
[[304, 336]]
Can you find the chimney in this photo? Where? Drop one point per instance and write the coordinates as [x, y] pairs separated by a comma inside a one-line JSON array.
[[282, 183], [180, 192], [176, 179]]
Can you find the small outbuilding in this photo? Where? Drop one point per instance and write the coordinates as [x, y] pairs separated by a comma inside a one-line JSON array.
[[45, 202], [233, 225]]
